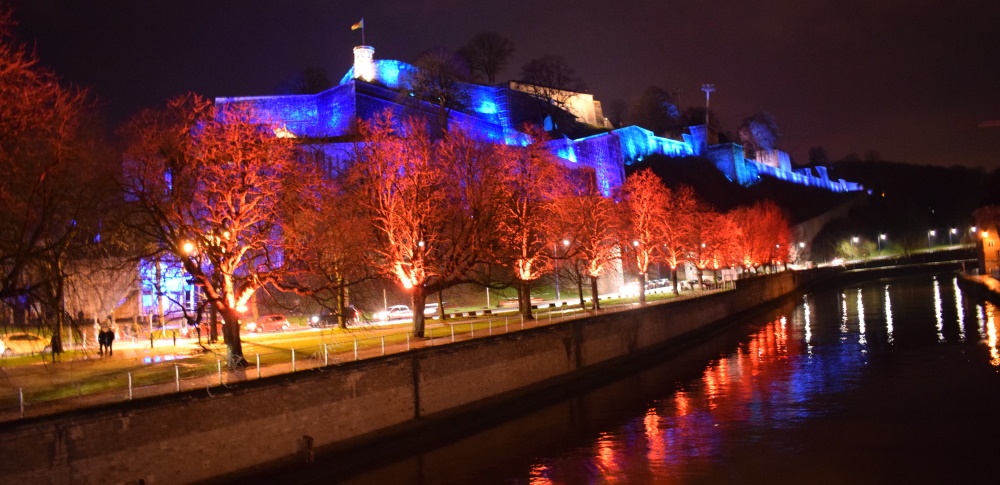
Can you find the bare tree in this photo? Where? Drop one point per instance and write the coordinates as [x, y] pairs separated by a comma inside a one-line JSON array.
[[553, 81], [654, 109], [440, 79], [759, 133], [433, 203], [642, 212], [487, 53], [586, 219], [533, 182], [210, 186], [55, 180]]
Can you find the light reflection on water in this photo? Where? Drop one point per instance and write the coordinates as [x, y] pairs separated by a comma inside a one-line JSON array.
[[787, 372], [849, 386]]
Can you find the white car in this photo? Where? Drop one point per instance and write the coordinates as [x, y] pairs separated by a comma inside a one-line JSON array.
[[395, 312], [630, 289]]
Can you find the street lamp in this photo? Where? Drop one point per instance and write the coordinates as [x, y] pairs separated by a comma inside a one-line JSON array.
[[930, 234], [950, 233], [854, 240], [881, 237]]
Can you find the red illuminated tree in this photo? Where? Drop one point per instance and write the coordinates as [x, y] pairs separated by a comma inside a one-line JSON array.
[[642, 212], [760, 235], [587, 220], [711, 236], [677, 228], [211, 186], [433, 203], [56, 182], [533, 181], [332, 245]]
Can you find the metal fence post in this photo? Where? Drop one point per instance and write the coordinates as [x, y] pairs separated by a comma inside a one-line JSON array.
[[407, 342], [491, 326], [219, 364], [258, 366], [20, 397], [177, 377], [355, 348], [505, 328], [293, 360], [472, 329], [383, 345], [453, 333], [129, 386], [326, 354]]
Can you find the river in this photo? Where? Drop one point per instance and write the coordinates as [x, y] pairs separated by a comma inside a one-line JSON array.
[[888, 381]]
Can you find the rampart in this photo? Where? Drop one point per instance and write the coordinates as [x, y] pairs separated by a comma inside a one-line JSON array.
[[279, 421]]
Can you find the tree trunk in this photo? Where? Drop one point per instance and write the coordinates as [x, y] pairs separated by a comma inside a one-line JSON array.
[[579, 288], [525, 290], [341, 304], [57, 346], [593, 293], [213, 333], [673, 274], [701, 278], [642, 288], [231, 332], [418, 299], [441, 305]]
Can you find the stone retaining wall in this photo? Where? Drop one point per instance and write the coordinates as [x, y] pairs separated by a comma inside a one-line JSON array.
[[259, 424]]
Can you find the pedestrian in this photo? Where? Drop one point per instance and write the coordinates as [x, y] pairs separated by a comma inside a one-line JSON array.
[[109, 338], [102, 338]]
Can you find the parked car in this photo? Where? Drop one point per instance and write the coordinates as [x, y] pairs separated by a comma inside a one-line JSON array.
[[24, 343], [395, 312], [269, 323], [629, 289], [328, 318]]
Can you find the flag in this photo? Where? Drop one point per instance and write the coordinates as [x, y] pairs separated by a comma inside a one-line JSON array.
[[359, 25]]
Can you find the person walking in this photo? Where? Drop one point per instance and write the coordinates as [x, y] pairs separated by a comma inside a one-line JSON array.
[[102, 339], [109, 339]]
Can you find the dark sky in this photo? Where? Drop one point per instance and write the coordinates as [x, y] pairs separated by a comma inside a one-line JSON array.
[[910, 79]]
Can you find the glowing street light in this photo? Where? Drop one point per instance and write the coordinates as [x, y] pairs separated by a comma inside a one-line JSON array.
[[854, 240], [188, 247], [930, 234], [881, 237], [950, 233]]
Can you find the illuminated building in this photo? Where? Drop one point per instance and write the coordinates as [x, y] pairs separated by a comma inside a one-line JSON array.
[[373, 86]]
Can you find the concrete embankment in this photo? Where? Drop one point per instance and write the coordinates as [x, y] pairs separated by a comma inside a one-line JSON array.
[[283, 421]]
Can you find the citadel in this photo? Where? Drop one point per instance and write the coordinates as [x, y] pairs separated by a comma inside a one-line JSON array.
[[372, 86]]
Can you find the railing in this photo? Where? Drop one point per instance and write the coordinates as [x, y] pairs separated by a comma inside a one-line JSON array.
[[90, 380]]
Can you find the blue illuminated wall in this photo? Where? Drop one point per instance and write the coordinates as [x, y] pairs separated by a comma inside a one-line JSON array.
[[333, 113]]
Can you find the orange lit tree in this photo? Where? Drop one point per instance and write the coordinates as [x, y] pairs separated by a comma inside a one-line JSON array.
[[586, 219], [533, 181], [210, 187], [677, 228], [55, 184], [760, 235], [642, 211], [711, 236], [433, 204], [332, 246]]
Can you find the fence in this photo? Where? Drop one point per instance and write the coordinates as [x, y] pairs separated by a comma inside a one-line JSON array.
[[90, 381]]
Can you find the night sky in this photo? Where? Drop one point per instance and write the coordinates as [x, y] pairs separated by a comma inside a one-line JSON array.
[[911, 79]]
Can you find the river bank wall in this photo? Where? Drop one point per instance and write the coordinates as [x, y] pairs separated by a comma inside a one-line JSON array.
[[283, 421]]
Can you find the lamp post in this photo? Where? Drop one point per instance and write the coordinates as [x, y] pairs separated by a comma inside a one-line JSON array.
[[854, 241], [952, 232], [930, 234], [881, 237]]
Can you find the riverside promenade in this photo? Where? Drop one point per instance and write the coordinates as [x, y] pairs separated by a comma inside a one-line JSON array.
[[139, 369]]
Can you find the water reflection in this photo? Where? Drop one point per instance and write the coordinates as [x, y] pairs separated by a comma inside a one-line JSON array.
[[888, 316], [757, 398], [781, 376]]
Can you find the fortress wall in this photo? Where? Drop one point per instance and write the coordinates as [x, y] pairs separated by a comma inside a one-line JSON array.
[[260, 424]]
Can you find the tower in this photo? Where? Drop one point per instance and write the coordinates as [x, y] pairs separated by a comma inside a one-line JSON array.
[[364, 62]]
